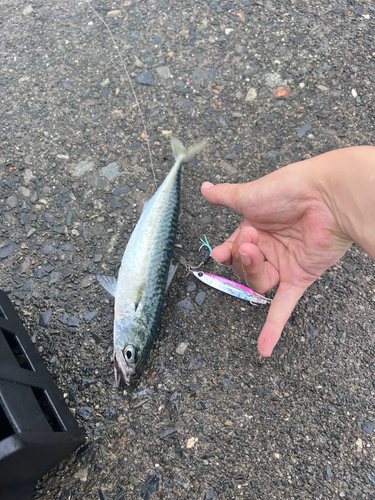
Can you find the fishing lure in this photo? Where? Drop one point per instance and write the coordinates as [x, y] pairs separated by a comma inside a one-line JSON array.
[[225, 285], [230, 287]]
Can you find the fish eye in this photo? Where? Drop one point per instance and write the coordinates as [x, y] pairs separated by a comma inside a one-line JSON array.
[[130, 353], [200, 274]]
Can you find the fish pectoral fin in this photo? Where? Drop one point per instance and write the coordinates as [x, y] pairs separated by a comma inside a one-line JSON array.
[[171, 273], [109, 283], [138, 296]]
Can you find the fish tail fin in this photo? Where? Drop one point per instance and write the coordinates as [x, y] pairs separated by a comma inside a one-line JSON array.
[[183, 154]]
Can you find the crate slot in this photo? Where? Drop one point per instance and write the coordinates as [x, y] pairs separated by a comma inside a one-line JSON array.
[[48, 410], [6, 429], [2, 313], [17, 350]]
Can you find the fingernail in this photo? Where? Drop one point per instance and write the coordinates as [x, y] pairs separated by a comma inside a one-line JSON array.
[[246, 261], [207, 185]]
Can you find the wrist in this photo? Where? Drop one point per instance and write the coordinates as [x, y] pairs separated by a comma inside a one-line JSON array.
[[346, 179]]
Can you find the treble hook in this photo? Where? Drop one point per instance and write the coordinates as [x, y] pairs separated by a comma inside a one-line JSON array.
[[205, 244]]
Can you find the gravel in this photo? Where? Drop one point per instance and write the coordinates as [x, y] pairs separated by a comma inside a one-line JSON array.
[[266, 429]]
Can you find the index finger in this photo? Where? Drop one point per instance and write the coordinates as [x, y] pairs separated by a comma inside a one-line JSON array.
[[223, 253]]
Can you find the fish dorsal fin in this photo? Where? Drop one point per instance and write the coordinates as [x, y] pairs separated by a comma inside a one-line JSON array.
[[109, 283], [183, 154], [145, 204]]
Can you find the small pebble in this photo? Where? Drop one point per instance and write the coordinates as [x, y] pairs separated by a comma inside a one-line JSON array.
[[85, 412], [198, 76], [111, 171], [110, 413], [133, 147], [119, 191], [12, 202], [45, 318], [25, 266], [156, 41], [273, 154], [186, 103], [191, 442], [69, 320], [150, 486], [82, 474], [24, 191], [182, 348], [6, 249], [302, 131], [327, 473], [81, 168], [68, 219], [143, 186], [251, 95], [102, 495], [226, 380], [312, 331], [191, 286], [186, 305], [145, 78], [87, 281], [28, 286], [55, 277], [34, 197], [164, 72], [200, 297], [367, 427], [89, 315]]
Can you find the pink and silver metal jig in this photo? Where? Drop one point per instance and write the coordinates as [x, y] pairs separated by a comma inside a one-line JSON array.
[[231, 287]]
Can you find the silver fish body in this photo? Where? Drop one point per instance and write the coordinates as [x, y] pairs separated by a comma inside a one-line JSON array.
[[143, 274]]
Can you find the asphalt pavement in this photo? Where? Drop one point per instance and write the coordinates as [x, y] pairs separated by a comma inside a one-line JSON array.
[[267, 83]]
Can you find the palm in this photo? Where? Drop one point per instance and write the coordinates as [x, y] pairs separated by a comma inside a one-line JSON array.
[[295, 246], [297, 254]]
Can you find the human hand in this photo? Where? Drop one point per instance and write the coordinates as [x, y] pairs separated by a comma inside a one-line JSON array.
[[289, 237]]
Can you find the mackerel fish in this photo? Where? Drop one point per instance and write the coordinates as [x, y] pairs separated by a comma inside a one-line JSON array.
[[146, 271]]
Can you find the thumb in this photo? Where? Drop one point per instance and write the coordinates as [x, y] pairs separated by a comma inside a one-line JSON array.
[[281, 308], [225, 195]]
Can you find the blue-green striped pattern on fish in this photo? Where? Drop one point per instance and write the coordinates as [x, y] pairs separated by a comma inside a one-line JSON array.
[[144, 271]]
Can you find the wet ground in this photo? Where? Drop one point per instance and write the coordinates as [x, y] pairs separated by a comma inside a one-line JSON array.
[[209, 421]]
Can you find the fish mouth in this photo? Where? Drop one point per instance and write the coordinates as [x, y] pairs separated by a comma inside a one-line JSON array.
[[123, 372]]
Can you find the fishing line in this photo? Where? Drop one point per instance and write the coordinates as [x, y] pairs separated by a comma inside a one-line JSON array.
[[130, 83]]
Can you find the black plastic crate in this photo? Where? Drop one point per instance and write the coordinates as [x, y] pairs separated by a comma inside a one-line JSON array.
[[37, 429]]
